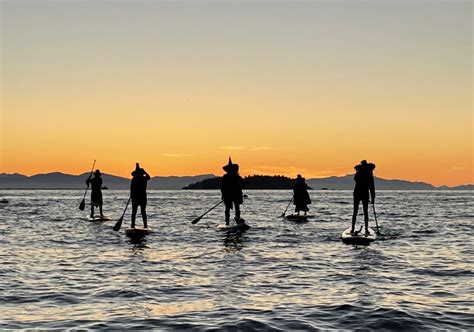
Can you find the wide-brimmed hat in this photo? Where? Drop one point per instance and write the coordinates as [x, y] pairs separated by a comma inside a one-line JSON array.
[[230, 166], [365, 164], [97, 172]]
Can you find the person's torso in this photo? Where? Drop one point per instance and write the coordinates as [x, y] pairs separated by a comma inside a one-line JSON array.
[[138, 186], [96, 184], [300, 187], [363, 179], [231, 184]]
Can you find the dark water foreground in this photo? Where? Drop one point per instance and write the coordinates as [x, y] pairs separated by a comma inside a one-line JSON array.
[[60, 271]]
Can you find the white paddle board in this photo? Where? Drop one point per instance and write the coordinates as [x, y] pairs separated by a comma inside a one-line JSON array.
[[358, 237], [98, 219]]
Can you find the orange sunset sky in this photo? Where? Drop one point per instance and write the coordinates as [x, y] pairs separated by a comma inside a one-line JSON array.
[[307, 87]]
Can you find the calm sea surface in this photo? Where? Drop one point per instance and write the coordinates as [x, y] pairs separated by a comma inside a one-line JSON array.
[[58, 270]]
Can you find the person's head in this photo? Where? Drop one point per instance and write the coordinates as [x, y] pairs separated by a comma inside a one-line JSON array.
[[97, 173], [138, 172], [231, 168], [364, 165]]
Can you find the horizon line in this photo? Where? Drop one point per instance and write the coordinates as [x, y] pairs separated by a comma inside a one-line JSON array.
[[196, 175]]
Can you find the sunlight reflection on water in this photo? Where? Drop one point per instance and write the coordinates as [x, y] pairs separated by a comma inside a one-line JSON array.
[[60, 270]]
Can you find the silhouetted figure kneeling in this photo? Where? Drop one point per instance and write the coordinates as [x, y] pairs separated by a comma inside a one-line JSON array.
[[96, 192], [232, 191], [138, 193], [364, 182], [301, 198]]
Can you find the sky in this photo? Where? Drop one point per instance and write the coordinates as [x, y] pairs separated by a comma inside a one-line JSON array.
[[284, 87]]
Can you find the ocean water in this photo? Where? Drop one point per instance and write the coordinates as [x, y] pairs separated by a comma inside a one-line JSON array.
[[59, 270]]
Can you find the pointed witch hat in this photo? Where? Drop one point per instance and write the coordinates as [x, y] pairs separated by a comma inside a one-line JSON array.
[[230, 167]]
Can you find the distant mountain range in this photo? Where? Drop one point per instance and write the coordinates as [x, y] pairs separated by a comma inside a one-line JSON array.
[[347, 182], [66, 181]]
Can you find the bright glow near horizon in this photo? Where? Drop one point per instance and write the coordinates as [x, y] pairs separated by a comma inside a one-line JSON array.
[[282, 87]]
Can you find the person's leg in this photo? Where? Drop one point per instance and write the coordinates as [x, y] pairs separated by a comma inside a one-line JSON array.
[[227, 212], [92, 210], [100, 209], [365, 206], [237, 211], [144, 217], [298, 209], [354, 214], [134, 214]]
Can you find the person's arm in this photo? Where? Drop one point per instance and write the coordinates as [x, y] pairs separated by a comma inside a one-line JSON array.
[[147, 177]]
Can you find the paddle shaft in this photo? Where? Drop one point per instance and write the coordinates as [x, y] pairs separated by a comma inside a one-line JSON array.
[[375, 216], [291, 200], [119, 222], [195, 221], [92, 170], [126, 206]]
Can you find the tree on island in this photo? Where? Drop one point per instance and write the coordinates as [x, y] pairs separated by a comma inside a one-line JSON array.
[[250, 182]]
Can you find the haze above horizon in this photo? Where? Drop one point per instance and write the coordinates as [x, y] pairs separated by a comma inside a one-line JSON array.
[[282, 87]]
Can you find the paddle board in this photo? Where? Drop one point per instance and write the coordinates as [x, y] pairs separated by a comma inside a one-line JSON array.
[[137, 232], [98, 219], [242, 226], [298, 218], [358, 238]]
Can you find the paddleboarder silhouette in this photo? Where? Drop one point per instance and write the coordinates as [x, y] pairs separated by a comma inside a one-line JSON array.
[[96, 192], [138, 193], [364, 183], [232, 191], [301, 197]]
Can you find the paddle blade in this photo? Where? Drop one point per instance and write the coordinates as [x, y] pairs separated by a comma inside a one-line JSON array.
[[82, 205], [195, 221], [118, 224]]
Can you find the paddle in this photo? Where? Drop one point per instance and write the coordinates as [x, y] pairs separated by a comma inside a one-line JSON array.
[[195, 221], [118, 224], [83, 202], [291, 200], [376, 222]]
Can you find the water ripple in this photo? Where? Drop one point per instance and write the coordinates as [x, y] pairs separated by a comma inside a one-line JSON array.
[[60, 271]]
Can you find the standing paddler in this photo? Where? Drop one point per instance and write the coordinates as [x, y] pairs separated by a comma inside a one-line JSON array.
[[96, 192], [301, 198], [364, 183], [232, 191], [138, 193]]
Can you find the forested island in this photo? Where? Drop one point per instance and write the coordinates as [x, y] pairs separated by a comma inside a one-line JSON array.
[[249, 182]]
